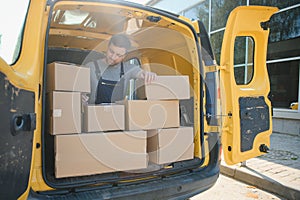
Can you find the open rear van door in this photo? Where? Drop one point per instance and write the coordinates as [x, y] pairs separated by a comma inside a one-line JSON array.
[[245, 84]]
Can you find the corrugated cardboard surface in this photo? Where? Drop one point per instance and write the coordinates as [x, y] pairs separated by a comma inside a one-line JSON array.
[[170, 145], [96, 153], [164, 87], [103, 118], [68, 77], [145, 115], [65, 112]]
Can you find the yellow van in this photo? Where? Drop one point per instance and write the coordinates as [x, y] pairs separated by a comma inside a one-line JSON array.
[[218, 113]]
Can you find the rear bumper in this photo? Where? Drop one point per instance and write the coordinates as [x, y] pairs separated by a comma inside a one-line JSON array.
[[172, 187]]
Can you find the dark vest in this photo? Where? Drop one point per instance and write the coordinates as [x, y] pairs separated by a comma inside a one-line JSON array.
[[109, 91]]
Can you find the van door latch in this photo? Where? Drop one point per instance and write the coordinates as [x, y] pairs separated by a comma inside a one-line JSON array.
[[22, 123]]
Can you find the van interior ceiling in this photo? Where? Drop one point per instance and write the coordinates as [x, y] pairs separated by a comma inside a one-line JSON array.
[[79, 33], [88, 27]]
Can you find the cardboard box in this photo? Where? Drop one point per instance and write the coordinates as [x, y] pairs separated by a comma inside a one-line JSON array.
[[164, 87], [105, 117], [64, 112], [170, 145], [96, 153], [145, 115], [68, 77]]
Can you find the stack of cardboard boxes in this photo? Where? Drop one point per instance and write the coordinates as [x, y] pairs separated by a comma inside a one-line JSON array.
[[65, 82], [94, 139], [167, 142]]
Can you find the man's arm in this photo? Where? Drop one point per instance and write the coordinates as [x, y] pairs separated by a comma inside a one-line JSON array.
[[90, 97], [147, 76], [138, 73]]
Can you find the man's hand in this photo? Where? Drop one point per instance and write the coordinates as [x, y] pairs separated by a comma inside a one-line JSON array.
[[148, 76]]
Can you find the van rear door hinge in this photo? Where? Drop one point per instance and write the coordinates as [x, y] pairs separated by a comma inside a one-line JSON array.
[[222, 67]]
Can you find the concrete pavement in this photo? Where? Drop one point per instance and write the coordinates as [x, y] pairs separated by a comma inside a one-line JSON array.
[[277, 172]]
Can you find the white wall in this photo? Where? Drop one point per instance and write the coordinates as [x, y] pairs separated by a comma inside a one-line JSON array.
[[176, 6]]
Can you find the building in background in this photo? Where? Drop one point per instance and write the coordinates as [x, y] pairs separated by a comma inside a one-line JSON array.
[[283, 56]]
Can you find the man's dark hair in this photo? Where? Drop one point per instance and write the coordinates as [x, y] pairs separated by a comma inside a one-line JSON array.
[[120, 40]]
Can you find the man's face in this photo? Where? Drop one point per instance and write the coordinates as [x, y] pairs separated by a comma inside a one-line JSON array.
[[114, 54]]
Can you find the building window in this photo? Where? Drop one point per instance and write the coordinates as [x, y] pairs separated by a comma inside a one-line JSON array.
[[284, 78], [283, 56], [278, 3], [243, 60], [285, 25], [284, 37], [199, 12], [216, 43], [220, 10]]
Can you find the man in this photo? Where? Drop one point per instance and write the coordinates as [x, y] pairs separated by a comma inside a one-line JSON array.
[[110, 75]]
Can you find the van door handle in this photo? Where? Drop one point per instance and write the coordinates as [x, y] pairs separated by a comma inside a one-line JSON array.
[[22, 123]]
